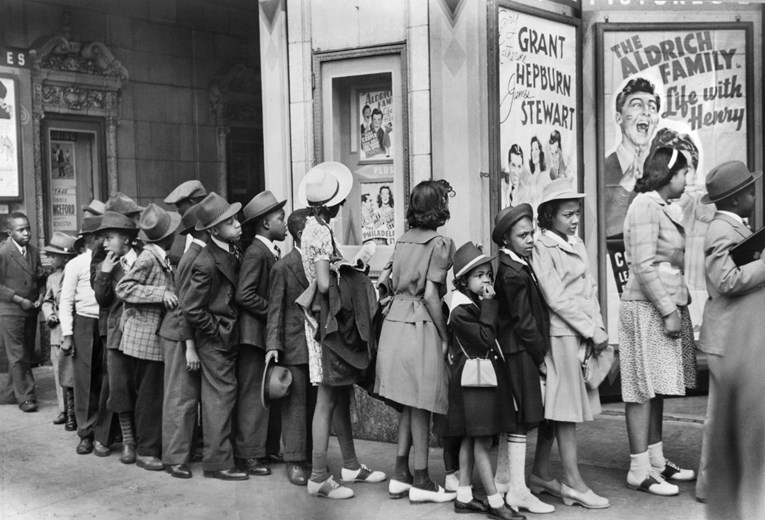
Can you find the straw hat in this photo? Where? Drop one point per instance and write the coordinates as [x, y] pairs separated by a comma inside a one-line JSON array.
[[506, 219], [157, 224], [213, 210], [467, 257], [261, 205], [326, 184], [727, 179]]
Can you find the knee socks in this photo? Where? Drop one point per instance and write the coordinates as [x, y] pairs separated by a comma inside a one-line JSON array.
[[348, 451], [126, 425], [503, 459], [516, 447], [319, 471]]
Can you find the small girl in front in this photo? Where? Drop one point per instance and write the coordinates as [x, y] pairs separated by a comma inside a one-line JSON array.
[[476, 413]]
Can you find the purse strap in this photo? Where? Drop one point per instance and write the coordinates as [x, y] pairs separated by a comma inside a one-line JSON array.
[[487, 353]]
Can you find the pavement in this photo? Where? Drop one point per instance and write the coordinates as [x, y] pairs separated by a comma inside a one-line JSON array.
[[41, 476]]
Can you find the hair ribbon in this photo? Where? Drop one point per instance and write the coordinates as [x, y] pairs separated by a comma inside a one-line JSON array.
[[672, 159]]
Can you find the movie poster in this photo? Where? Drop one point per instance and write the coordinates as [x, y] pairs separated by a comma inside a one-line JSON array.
[[10, 186], [375, 125], [686, 89], [63, 182], [538, 82]]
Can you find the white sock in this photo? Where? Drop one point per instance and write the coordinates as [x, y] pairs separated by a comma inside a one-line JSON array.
[[503, 459], [465, 494], [517, 454], [495, 501], [656, 452], [640, 464]]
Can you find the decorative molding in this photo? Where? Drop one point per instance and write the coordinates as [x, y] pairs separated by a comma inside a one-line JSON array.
[[94, 58], [269, 9], [74, 98]]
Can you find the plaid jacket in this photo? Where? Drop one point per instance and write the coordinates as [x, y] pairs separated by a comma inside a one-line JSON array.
[[143, 289]]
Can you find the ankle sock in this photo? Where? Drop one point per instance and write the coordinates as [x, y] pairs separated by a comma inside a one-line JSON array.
[[640, 465], [319, 466], [495, 501], [465, 494], [422, 480], [656, 454], [126, 425]]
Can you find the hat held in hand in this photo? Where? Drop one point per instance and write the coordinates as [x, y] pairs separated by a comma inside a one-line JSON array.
[[276, 383], [157, 224]]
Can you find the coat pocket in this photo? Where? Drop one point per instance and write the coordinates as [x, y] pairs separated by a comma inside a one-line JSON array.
[[670, 277]]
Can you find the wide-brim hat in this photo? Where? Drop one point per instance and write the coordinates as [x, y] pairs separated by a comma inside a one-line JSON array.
[[157, 223], [118, 221], [213, 210], [96, 207], [261, 205], [561, 188], [189, 220], [506, 219], [726, 179], [276, 383], [188, 190], [467, 257], [89, 225], [61, 244], [326, 184], [121, 203]]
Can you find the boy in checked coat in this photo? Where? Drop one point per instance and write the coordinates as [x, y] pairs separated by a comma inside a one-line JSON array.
[[266, 215], [148, 292], [207, 301], [285, 340]]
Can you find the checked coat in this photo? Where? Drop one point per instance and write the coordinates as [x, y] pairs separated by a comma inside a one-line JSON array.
[[143, 289]]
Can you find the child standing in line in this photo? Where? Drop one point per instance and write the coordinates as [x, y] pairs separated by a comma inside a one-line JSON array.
[[477, 413], [60, 251]]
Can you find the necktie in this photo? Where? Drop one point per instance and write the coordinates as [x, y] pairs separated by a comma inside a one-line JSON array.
[[277, 251], [235, 251]]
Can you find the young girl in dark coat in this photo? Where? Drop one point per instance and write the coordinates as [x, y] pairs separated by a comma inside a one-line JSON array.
[[523, 335], [476, 414]]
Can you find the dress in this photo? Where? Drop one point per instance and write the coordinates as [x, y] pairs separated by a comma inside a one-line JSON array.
[[411, 369]]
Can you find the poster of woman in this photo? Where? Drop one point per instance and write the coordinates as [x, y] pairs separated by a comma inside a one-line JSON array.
[[377, 220], [10, 182]]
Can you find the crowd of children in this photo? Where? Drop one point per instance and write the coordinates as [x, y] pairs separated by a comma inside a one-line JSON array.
[[156, 316]]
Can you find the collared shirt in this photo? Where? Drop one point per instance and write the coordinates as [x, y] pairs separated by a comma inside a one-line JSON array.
[[200, 243], [189, 240], [512, 254], [223, 245], [270, 245], [128, 259], [571, 240], [22, 249], [732, 215], [296, 248], [77, 296]]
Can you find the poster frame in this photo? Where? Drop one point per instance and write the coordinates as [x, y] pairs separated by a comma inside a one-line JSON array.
[[355, 122], [495, 152], [601, 113], [17, 113]]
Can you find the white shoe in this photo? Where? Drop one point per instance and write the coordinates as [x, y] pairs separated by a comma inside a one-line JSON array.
[[329, 489], [398, 489], [672, 471], [421, 496], [588, 499], [363, 474], [452, 482], [502, 487], [652, 483], [525, 500]]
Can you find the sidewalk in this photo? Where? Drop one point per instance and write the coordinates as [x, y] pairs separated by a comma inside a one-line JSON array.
[[41, 477]]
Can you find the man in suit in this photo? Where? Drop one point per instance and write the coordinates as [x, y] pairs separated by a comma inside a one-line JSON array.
[[266, 215], [286, 343], [22, 289], [207, 301], [733, 455]]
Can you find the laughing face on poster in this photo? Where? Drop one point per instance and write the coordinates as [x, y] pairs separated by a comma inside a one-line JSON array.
[[637, 114]]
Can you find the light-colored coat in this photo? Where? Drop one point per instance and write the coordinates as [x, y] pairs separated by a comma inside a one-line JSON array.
[[51, 301]]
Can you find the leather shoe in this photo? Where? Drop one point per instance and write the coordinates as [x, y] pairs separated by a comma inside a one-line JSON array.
[[28, 406], [504, 513], [474, 506], [100, 450], [296, 474], [60, 418], [128, 454], [272, 458], [178, 470], [228, 474], [85, 446], [149, 463], [253, 467]]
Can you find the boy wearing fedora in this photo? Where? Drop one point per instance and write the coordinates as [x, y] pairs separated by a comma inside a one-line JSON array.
[[60, 250], [119, 233], [22, 288], [731, 334], [182, 379], [266, 215], [207, 301], [148, 292]]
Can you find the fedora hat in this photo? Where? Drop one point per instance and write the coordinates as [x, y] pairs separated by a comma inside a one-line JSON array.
[[276, 383], [114, 220], [560, 189], [121, 203], [96, 207], [187, 190], [261, 205], [213, 210], [61, 244], [727, 179], [89, 225], [157, 224], [326, 184], [467, 257], [506, 219], [189, 220]]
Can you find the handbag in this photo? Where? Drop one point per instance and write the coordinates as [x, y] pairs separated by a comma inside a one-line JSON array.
[[595, 368], [477, 372]]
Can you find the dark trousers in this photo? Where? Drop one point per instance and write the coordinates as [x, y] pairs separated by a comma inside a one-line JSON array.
[[297, 415], [107, 423], [179, 410], [251, 417], [121, 390], [88, 365], [218, 401], [17, 335]]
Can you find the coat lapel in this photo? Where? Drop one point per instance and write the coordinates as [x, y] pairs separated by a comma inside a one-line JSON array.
[[225, 262], [737, 226], [269, 255], [19, 258]]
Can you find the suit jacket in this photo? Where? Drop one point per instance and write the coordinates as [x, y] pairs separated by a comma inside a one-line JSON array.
[[733, 310], [525, 319], [50, 303], [174, 326], [285, 325], [143, 289], [104, 285], [19, 276], [207, 300], [98, 256], [252, 293]]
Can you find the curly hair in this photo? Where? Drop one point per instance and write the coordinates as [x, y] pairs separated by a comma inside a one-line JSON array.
[[390, 196], [633, 86], [429, 204], [546, 213], [656, 170], [668, 138], [542, 165]]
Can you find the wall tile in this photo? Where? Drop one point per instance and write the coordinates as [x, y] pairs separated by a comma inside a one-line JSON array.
[[126, 139]]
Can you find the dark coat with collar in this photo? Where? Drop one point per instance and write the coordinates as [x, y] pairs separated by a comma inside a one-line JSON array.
[[19, 276], [174, 326], [285, 325], [207, 300], [252, 293], [104, 285]]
